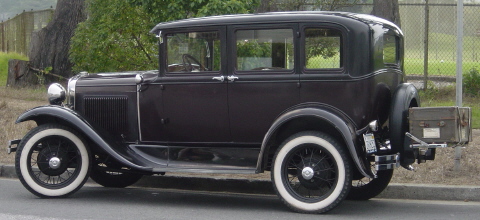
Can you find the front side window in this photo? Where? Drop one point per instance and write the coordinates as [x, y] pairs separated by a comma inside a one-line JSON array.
[[264, 50], [193, 51], [323, 48]]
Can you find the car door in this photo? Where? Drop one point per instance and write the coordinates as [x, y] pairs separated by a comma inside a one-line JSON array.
[[262, 79], [193, 90]]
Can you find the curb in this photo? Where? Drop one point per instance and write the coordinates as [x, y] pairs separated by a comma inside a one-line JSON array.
[[393, 191]]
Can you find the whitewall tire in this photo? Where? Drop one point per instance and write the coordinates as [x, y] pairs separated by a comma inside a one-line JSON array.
[[311, 172], [52, 161]]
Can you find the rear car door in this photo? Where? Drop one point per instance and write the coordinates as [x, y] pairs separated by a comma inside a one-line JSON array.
[[262, 79]]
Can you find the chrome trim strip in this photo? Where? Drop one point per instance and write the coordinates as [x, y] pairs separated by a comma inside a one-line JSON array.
[[138, 113], [72, 83]]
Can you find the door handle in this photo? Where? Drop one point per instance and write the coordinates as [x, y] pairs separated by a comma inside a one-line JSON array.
[[219, 78], [232, 78]]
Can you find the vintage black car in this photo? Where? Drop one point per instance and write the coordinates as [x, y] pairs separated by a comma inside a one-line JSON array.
[[319, 99]]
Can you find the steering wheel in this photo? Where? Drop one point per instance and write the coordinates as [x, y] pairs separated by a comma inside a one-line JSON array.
[[187, 63]]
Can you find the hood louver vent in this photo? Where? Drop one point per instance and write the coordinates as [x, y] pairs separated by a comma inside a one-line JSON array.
[[111, 113]]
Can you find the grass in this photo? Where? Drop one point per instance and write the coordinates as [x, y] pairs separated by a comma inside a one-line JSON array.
[[13, 102], [442, 54], [4, 58], [436, 67]]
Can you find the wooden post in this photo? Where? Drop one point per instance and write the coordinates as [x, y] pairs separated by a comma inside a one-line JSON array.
[[2, 30]]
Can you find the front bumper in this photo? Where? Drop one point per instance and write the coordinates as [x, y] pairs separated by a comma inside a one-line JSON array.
[[10, 148]]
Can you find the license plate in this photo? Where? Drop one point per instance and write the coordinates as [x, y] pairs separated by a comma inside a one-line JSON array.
[[370, 143]]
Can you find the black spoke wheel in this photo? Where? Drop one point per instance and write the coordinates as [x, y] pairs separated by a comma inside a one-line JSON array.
[[109, 173], [367, 188], [311, 172], [52, 161]]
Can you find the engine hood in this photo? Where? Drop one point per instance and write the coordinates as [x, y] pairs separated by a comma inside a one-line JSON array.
[[112, 78]]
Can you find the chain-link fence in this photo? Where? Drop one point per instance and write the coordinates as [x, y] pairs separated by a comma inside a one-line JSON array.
[[15, 33], [431, 41]]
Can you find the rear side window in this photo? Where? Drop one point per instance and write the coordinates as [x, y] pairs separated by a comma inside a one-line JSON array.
[[264, 50], [390, 47], [323, 48]]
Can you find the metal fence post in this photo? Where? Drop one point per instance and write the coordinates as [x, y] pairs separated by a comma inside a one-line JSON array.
[[425, 47], [459, 81]]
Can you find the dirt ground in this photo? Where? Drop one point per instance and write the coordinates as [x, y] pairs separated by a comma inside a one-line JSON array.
[[439, 171]]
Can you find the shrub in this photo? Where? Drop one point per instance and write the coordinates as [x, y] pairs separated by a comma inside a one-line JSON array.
[[471, 82]]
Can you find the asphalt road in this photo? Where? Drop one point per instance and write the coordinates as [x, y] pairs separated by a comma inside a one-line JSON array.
[[95, 202]]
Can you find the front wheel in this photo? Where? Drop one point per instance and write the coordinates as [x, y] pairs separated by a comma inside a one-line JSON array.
[[311, 172], [52, 161], [109, 173]]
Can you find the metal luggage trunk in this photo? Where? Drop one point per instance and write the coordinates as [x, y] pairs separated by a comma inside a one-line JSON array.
[[441, 124]]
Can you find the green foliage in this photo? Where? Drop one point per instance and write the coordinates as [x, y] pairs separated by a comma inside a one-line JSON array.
[[168, 10], [435, 94], [114, 38], [322, 43], [301, 5], [253, 48], [471, 82], [4, 57]]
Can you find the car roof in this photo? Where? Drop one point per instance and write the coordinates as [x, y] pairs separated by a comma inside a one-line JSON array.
[[273, 17]]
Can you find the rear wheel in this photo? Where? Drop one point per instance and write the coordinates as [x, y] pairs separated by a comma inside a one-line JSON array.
[[52, 161], [367, 188], [311, 172]]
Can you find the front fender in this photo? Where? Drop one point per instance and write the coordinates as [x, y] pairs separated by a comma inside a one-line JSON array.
[[342, 127], [59, 114]]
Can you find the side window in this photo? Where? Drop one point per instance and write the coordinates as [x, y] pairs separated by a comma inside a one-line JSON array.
[[193, 51], [390, 47], [264, 50], [323, 48]]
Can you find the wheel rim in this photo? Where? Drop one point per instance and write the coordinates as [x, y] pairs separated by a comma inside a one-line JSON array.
[[309, 173], [54, 162]]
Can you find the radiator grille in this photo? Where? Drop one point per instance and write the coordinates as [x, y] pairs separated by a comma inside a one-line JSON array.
[[111, 113]]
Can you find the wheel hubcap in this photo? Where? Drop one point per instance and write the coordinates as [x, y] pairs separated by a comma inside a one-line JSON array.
[[54, 163], [307, 173]]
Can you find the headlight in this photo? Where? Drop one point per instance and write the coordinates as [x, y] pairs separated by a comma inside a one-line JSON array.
[[56, 94]]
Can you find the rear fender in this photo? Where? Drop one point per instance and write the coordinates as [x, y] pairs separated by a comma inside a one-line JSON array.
[[342, 128], [405, 97]]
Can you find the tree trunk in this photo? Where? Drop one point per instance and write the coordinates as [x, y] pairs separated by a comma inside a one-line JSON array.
[[49, 47], [19, 74], [387, 9]]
